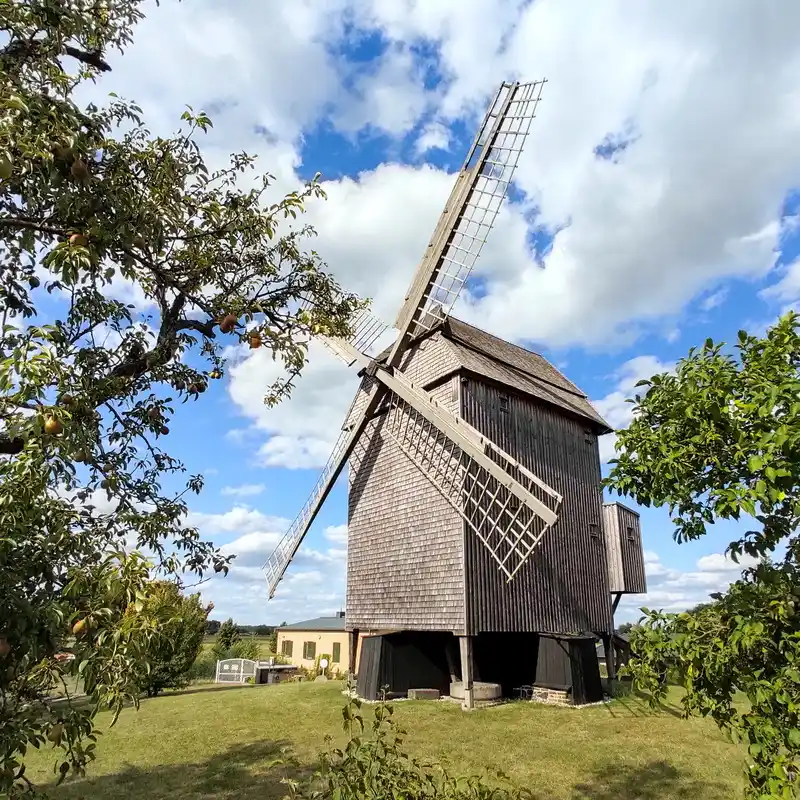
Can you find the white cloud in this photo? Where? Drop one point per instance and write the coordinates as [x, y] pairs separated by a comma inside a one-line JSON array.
[[302, 430], [313, 585], [693, 198], [435, 136], [719, 562], [336, 534], [675, 590], [714, 299], [614, 408], [245, 490], [786, 290], [239, 519]]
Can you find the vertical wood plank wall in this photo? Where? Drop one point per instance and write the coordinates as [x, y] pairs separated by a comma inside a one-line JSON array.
[[563, 587], [626, 571], [616, 576]]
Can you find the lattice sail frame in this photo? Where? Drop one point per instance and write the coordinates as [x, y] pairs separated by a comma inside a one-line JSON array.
[[283, 553], [367, 329], [494, 155], [508, 528]]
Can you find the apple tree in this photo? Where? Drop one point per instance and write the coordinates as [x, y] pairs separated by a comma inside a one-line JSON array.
[[720, 440], [95, 209]]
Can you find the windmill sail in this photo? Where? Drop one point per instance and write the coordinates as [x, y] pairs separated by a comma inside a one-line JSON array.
[[282, 555], [507, 506], [509, 509], [472, 208]]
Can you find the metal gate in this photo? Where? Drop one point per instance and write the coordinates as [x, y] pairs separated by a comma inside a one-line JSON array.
[[235, 670]]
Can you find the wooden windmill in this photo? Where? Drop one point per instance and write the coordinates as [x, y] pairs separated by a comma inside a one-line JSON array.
[[476, 539]]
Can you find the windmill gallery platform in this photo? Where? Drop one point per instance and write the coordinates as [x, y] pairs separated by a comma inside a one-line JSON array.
[[479, 548]]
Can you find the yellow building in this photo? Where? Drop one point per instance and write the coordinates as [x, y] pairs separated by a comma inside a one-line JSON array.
[[303, 642]]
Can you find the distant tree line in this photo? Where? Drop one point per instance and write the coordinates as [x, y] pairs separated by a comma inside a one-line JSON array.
[[213, 626]]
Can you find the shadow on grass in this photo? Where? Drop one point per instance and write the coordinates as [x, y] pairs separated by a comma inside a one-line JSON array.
[[202, 687], [245, 772], [635, 704], [657, 780]]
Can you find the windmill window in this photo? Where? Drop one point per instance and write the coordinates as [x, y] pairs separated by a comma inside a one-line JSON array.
[[504, 403], [336, 656], [309, 651], [631, 534], [286, 647], [594, 530]]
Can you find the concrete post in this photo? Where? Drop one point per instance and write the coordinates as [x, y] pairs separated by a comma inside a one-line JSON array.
[[465, 643]]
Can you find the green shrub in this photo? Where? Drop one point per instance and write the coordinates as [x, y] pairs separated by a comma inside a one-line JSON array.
[[378, 767], [204, 667], [175, 649], [228, 634], [246, 648]]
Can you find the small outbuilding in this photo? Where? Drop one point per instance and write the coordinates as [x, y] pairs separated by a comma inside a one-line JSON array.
[[301, 643]]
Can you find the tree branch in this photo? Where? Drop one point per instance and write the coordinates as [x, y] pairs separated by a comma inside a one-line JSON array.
[[92, 59]]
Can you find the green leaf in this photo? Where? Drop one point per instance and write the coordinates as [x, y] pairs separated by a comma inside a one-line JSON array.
[[755, 463]]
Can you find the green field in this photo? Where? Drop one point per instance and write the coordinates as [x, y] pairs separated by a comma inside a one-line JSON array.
[[209, 641], [217, 742]]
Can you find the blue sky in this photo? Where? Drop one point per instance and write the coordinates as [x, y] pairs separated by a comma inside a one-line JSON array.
[[651, 211]]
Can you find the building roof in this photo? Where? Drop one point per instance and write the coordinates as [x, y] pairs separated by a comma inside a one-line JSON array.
[[318, 624], [514, 366]]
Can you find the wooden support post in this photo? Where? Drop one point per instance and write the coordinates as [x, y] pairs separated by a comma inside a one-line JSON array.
[[611, 664], [353, 651], [451, 661], [465, 643]]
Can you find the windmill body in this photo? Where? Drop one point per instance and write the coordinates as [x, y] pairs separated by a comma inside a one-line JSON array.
[[479, 548], [415, 566]]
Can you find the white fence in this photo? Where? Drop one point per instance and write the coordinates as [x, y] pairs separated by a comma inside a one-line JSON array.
[[235, 670]]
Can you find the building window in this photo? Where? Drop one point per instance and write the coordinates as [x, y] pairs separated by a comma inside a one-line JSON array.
[[594, 530], [631, 534], [309, 651], [504, 403], [286, 647], [336, 656]]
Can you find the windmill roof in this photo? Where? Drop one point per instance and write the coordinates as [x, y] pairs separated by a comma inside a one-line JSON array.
[[518, 368], [318, 624], [514, 366]]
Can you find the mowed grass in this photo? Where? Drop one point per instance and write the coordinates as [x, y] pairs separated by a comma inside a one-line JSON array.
[[218, 742]]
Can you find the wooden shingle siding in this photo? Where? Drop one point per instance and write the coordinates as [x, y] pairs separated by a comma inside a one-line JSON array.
[[563, 587], [428, 362], [405, 560]]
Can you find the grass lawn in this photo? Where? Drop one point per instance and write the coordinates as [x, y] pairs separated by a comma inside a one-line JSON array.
[[217, 742]]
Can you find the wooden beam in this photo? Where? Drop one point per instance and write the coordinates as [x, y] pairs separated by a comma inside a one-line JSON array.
[[465, 643], [353, 651], [451, 662], [608, 649]]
